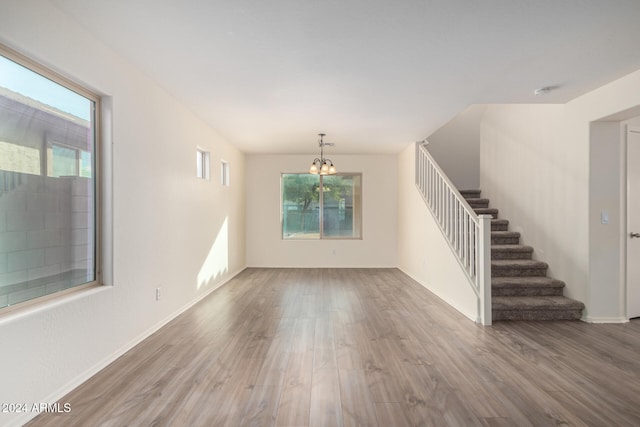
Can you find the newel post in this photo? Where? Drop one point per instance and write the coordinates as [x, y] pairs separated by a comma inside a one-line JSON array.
[[484, 268]]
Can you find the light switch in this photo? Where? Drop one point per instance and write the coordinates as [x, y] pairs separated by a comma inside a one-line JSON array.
[[604, 217]]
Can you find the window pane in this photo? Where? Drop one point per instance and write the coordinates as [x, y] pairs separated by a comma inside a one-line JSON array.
[[224, 173], [341, 206], [203, 164], [199, 164], [300, 206], [47, 188], [63, 161], [338, 208], [86, 164]]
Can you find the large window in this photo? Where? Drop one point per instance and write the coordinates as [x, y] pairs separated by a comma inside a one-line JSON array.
[[321, 207], [48, 182]]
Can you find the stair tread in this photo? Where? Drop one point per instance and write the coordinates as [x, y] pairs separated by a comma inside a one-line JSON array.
[[503, 233], [516, 281], [469, 192], [511, 248], [535, 303], [486, 211], [519, 263], [484, 203]]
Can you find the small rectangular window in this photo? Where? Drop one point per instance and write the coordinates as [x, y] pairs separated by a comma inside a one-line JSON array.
[[64, 160], [202, 164], [224, 173]]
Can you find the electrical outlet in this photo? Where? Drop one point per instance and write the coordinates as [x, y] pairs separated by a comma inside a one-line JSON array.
[[158, 294]]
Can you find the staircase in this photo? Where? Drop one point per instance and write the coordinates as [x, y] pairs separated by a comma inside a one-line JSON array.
[[520, 288]]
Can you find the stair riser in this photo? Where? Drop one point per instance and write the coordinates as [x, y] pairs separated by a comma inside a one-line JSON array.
[[505, 240], [536, 315], [526, 292], [499, 227], [510, 255], [518, 272]]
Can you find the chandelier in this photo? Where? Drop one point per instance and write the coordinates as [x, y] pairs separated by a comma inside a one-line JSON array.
[[322, 166]]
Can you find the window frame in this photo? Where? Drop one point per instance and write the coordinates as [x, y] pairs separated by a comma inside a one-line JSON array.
[[97, 183], [225, 173], [321, 208], [203, 164]]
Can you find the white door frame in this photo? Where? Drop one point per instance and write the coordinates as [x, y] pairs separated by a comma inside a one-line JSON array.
[[632, 309]]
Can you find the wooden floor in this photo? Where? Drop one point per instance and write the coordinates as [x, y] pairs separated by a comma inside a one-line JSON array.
[[293, 347]]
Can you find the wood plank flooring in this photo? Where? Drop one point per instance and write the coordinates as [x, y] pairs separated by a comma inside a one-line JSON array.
[[359, 347]]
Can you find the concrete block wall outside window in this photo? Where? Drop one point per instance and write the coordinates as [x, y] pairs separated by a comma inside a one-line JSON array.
[[48, 183]]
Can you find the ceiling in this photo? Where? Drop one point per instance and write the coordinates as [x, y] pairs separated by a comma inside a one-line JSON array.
[[374, 75]]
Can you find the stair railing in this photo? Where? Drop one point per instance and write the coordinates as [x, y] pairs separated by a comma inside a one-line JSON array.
[[468, 234]]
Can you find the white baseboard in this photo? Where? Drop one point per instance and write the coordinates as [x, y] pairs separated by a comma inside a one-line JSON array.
[[474, 317], [78, 380], [590, 319]]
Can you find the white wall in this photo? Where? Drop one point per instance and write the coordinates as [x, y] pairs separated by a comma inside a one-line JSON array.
[[538, 181], [616, 101], [606, 191], [552, 170], [265, 246], [423, 252], [166, 227], [456, 148], [607, 173]]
